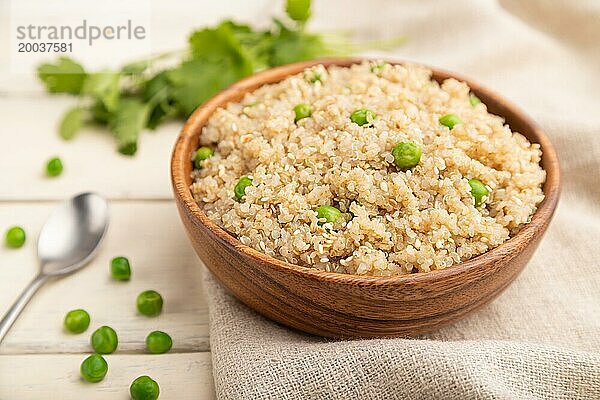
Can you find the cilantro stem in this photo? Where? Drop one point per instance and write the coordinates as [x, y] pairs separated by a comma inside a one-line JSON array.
[[154, 100]]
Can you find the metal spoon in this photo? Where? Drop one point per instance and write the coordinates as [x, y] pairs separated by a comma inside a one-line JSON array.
[[68, 240]]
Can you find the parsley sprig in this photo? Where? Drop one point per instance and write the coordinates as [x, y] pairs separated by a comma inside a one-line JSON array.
[[145, 93]]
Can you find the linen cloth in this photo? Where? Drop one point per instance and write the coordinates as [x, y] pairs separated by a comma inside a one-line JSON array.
[[541, 338]]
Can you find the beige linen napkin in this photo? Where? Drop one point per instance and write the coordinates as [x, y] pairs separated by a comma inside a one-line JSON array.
[[541, 338]]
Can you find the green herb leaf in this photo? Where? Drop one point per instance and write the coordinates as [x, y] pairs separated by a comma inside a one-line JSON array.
[[135, 68], [64, 76], [103, 86], [71, 122], [99, 113], [157, 93], [196, 80], [218, 60], [256, 44], [127, 122], [159, 114], [221, 44], [157, 88], [295, 45]]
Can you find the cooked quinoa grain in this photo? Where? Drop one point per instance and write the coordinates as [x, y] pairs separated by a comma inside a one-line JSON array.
[[391, 221]]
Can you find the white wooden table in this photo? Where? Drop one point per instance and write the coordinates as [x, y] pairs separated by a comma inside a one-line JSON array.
[[37, 357], [38, 360]]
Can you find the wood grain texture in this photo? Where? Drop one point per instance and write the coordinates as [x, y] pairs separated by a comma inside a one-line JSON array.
[[347, 306], [91, 161], [43, 377], [151, 236]]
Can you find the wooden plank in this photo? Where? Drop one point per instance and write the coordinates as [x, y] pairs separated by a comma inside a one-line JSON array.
[[29, 138], [41, 377], [151, 236]]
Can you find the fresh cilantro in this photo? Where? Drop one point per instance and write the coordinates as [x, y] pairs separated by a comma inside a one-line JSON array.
[[65, 76], [189, 91], [103, 86], [290, 45], [71, 122], [157, 92], [127, 122], [221, 44], [100, 115], [136, 67], [145, 93]]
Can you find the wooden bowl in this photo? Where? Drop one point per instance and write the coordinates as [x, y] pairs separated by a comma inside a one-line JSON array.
[[349, 306]]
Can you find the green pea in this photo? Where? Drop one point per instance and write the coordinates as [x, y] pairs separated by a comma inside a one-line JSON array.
[[240, 187], [450, 120], [54, 167], [77, 321], [314, 78], [144, 388], [120, 269], [478, 190], [330, 213], [406, 155], [149, 303], [94, 368], [302, 111], [104, 340], [474, 100], [202, 154], [298, 10], [15, 237], [158, 342], [377, 67], [362, 116]]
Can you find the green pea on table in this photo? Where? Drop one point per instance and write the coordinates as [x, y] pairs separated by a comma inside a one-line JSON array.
[[158, 342], [15, 237], [77, 321], [54, 167], [144, 388], [94, 368], [104, 340], [149, 303]]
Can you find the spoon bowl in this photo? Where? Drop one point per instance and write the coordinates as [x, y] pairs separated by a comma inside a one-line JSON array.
[[71, 236], [69, 239]]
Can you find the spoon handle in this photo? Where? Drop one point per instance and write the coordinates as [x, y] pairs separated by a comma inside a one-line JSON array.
[[18, 306]]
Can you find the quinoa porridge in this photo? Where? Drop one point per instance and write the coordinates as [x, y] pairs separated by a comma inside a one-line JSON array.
[[374, 169]]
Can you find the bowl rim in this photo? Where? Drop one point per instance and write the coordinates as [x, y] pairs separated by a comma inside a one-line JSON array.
[[193, 126]]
